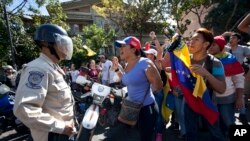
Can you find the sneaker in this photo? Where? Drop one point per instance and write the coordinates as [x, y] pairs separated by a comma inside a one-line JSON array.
[[158, 137], [243, 119], [174, 126], [181, 136]]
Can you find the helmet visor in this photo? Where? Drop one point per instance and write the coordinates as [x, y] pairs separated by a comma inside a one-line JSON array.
[[64, 45]]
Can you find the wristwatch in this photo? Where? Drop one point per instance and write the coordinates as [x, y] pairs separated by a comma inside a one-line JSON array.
[[116, 70]]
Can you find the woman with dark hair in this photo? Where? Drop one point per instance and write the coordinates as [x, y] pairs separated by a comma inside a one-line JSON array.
[[138, 75], [93, 72]]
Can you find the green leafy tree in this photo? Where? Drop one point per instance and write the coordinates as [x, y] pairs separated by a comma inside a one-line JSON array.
[[79, 54], [179, 9], [57, 16], [23, 29], [24, 46], [222, 18], [4, 52], [136, 16], [96, 37]]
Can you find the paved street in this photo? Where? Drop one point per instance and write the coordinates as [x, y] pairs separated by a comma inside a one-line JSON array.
[[120, 132], [109, 134]]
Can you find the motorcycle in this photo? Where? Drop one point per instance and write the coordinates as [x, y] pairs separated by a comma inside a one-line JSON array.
[[104, 108], [7, 117]]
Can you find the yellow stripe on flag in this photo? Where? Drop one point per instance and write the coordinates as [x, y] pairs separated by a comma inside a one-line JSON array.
[[200, 87], [165, 111]]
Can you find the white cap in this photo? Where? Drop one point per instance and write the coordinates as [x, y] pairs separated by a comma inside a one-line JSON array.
[[151, 51], [8, 67]]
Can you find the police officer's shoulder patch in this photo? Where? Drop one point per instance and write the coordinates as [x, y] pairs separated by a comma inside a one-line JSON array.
[[34, 80]]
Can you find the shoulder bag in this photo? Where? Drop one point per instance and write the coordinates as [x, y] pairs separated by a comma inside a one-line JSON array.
[[129, 113]]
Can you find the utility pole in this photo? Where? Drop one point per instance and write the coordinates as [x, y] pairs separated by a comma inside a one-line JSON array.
[[10, 36]]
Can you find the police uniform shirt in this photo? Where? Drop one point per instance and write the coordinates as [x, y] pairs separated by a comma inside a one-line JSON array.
[[43, 100]]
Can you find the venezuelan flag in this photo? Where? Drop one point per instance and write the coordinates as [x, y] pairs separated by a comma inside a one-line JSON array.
[[193, 86], [167, 103], [231, 65]]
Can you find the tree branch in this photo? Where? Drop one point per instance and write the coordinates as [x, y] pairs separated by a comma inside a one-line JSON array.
[[233, 12], [21, 4]]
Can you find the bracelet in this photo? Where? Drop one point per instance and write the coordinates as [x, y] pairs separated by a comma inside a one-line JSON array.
[[117, 70]]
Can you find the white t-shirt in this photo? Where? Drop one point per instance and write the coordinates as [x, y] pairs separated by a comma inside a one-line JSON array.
[[105, 69], [240, 53], [113, 76], [74, 74]]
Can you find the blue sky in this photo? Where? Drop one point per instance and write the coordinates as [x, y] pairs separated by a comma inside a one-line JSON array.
[[43, 10]]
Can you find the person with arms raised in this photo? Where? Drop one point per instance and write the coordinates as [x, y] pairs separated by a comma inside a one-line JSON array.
[[139, 74]]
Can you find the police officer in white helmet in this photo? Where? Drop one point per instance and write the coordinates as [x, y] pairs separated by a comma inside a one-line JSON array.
[[43, 100]]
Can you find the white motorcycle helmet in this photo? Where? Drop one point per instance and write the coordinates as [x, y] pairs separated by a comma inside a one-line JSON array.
[[54, 34]]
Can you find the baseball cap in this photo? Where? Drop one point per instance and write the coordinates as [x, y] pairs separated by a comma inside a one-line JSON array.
[[131, 40], [220, 41], [151, 51]]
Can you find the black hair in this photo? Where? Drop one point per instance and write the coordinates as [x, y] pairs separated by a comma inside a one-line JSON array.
[[237, 35], [142, 53], [207, 35], [138, 52]]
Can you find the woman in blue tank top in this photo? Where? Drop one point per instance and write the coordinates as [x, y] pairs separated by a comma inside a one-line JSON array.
[[139, 74]]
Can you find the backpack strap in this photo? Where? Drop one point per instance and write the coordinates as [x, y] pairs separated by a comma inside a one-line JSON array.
[[209, 63], [209, 66]]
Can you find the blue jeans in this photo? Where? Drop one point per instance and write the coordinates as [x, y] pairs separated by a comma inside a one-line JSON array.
[[105, 82], [159, 122], [191, 124], [226, 116], [179, 108]]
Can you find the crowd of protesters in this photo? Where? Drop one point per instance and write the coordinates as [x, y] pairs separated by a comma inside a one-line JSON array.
[[145, 69]]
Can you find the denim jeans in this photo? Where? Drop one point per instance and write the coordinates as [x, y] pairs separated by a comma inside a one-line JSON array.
[[179, 108], [226, 116], [191, 124], [105, 82], [159, 122]]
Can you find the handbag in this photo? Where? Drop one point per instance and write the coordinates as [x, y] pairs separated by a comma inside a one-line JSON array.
[[129, 113]]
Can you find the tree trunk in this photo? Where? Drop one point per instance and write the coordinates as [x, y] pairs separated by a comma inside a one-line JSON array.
[[236, 2]]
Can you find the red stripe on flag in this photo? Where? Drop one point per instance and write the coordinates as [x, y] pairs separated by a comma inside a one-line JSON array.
[[198, 106]]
